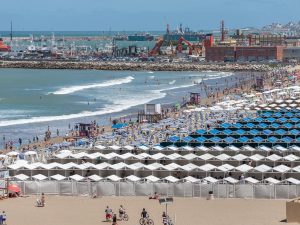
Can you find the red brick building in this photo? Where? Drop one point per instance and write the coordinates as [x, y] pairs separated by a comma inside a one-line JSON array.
[[244, 53]]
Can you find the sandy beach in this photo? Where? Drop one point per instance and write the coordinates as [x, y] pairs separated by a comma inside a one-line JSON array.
[[63, 210]]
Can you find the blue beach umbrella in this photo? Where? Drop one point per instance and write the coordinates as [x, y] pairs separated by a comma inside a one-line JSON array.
[[277, 114], [289, 114]]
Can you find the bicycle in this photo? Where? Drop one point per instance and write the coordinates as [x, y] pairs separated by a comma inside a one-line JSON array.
[[146, 221], [124, 217]]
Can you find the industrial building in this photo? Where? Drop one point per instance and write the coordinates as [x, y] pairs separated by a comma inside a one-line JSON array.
[[291, 54], [243, 53]]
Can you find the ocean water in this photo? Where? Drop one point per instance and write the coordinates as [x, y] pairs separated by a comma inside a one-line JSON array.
[[32, 100]]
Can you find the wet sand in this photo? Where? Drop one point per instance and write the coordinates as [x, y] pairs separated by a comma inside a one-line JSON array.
[[65, 210]]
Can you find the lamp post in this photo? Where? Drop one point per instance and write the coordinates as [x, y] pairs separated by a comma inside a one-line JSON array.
[[166, 201]]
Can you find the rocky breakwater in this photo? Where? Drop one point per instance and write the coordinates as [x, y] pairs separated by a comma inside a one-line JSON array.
[[134, 66]]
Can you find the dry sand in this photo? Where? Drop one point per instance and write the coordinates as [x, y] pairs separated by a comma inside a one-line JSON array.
[[63, 210]]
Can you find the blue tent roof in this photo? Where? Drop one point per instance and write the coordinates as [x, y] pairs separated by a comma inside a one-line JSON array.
[[259, 119], [188, 139], [262, 125], [277, 114], [201, 139], [271, 119], [294, 119], [174, 138], [288, 125], [280, 132], [294, 132], [289, 114], [243, 139], [297, 125], [240, 132], [215, 139], [267, 132], [201, 132], [247, 119], [237, 125], [227, 132], [254, 132], [272, 139], [282, 119], [258, 139], [214, 131], [275, 125], [229, 139], [225, 125], [267, 114], [287, 139], [119, 125], [250, 125]]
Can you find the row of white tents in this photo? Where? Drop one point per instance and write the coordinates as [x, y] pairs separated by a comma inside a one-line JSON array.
[[154, 179], [23, 165]]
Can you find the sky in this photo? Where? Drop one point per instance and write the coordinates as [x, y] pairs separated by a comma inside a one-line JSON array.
[[144, 15]]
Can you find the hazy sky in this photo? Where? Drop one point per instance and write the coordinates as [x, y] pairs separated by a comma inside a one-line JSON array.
[[143, 14]]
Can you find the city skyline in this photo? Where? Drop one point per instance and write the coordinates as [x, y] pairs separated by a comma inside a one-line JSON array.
[[118, 15]]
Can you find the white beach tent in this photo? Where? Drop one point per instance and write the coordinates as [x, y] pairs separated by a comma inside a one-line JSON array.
[[231, 180], [222, 157], [170, 179], [39, 178], [114, 178], [256, 157], [152, 178], [190, 179], [293, 181], [251, 180], [225, 168], [76, 177], [21, 177], [58, 177], [210, 180], [271, 180], [244, 168], [95, 178], [100, 147], [133, 178]]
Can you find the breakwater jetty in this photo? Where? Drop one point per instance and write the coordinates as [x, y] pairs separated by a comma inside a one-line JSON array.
[[134, 66]]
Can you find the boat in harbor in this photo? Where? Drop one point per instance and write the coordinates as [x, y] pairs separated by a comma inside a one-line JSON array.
[[141, 37], [4, 47]]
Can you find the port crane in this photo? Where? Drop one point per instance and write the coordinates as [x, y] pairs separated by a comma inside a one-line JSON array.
[[155, 50], [189, 44]]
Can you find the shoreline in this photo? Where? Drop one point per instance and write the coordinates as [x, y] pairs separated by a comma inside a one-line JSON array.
[[135, 66]]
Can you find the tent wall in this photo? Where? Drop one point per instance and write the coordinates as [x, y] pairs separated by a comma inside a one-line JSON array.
[[108, 188]]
